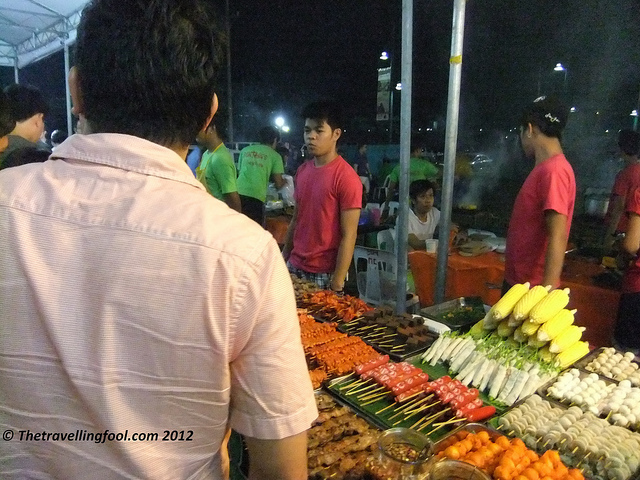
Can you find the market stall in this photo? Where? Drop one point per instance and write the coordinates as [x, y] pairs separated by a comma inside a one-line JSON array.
[[519, 395]]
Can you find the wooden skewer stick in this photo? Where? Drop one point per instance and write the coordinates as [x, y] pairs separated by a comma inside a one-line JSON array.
[[373, 398], [358, 390], [373, 395], [429, 419], [352, 384], [364, 396], [440, 425], [583, 459], [405, 406]]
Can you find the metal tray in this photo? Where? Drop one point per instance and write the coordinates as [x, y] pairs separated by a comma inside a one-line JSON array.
[[440, 311], [592, 355]]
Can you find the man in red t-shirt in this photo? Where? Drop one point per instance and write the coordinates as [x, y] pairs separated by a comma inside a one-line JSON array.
[[328, 194], [627, 178], [542, 213], [627, 331]]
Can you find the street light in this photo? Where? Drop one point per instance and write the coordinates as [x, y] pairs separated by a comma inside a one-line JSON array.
[[279, 122], [384, 56], [285, 128], [561, 68], [398, 86]]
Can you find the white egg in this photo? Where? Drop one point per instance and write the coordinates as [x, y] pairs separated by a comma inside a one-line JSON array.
[[625, 384]]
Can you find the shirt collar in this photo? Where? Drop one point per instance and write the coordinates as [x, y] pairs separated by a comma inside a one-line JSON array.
[[126, 152]]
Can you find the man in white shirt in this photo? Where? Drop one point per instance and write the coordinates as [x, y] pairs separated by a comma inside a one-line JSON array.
[[423, 216], [141, 317]]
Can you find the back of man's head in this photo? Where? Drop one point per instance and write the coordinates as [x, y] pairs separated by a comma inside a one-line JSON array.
[[268, 135], [148, 68], [629, 142], [326, 111], [25, 101]]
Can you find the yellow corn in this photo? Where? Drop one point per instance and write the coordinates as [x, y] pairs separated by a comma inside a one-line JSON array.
[[567, 337], [560, 321], [546, 308], [572, 354], [528, 301], [529, 328], [546, 355], [518, 336], [513, 322], [504, 306], [504, 330], [535, 343]]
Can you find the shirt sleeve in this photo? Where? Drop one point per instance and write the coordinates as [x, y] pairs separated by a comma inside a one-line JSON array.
[[431, 170], [633, 203], [277, 165], [394, 176], [271, 392], [350, 189], [224, 172], [555, 190]]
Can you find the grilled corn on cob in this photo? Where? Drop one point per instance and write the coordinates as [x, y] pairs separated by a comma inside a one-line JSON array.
[[551, 304], [505, 305], [552, 328], [529, 300], [566, 339], [530, 328], [572, 354]]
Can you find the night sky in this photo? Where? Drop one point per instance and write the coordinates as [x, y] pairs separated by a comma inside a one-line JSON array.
[[286, 53]]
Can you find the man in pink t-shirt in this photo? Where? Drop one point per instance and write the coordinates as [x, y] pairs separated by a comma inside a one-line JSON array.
[[627, 331], [627, 178], [328, 194], [542, 213]]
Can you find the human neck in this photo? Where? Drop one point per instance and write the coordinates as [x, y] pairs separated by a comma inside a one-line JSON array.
[[547, 148], [325, 159], [22, 130]]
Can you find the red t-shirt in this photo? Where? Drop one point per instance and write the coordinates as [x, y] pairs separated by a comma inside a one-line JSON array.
[[631, 281], [625, 183], [551, 185], [321, 193]]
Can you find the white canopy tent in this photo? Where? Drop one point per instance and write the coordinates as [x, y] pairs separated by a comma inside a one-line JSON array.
[[30, 30]]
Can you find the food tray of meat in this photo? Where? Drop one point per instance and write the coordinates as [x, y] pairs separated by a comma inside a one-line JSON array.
[[328, 306], [339, 443], [399, 336], [613, 364], [458, 314], [401, 395], [618, 403], [583, 440]]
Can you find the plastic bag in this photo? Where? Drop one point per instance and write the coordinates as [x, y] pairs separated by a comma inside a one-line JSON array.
[[287, 191]]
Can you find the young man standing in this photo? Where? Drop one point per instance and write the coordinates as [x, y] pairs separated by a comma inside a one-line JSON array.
[[137, 309], [328, 194], [543, 210], [626, 181], [257, 165], [216, 171]]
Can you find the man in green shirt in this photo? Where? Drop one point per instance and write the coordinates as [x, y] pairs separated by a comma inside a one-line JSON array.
[[419, 169], [257, 165], [216, 171]]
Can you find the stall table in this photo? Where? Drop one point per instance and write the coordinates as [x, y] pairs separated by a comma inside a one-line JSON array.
[[483, 276]]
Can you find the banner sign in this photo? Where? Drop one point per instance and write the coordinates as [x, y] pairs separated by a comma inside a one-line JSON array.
[[384, 94]]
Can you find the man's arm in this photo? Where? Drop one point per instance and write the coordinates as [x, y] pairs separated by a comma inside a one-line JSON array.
[[349, 229], [415, 243], [278, 181], [631, 242], [617, 209], [284, 459], [233, 200], [288, 239], [556, 232]]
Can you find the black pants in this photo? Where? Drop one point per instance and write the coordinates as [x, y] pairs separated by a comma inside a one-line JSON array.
[[627, 331], [253, 208]]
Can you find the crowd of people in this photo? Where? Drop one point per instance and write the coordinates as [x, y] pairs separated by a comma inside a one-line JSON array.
[[139, 297]]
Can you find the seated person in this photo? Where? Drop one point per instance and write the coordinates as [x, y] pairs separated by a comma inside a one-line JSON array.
[[423, 216]]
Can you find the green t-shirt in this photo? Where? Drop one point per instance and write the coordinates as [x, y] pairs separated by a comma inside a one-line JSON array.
[[419, 169], [219, 172], [256, 165]]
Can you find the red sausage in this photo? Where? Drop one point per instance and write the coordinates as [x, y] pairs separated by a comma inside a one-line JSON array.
[[481, 413], [404, 375], [371, 364], [477, 403], [410, 383], [409, 393]]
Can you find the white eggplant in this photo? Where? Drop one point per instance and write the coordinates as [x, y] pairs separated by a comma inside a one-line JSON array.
[[518, 386], [498, 378], [493, 366], [481, 373]]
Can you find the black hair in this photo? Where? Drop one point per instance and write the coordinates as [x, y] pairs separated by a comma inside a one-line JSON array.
[[268, 135], [629, 142], [326, 111], [548, 114], [22, 156], [420, 186], [416, 143], [58, 136], [7, 123], [282, 151], [25, 101], [148, 67]]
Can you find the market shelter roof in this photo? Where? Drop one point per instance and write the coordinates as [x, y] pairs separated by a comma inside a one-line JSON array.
[[33, 29]]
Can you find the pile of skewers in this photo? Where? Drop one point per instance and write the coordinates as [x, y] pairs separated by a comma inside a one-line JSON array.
[[331, 307], [438, 403]]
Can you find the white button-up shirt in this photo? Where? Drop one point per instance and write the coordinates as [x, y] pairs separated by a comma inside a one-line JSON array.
[[134, 302]]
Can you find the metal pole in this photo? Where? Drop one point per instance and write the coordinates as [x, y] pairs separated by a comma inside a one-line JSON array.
[[635, 120], [391, 118], [66, 89], [405, 147], [229, 103], [451, 140], [15, 70]]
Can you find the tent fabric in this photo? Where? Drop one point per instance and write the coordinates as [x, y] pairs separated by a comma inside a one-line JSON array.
[[33, 29]]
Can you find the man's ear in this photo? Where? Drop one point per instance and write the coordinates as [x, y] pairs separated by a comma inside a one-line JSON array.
[[76, 92], [214, 109], [337, 132]]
